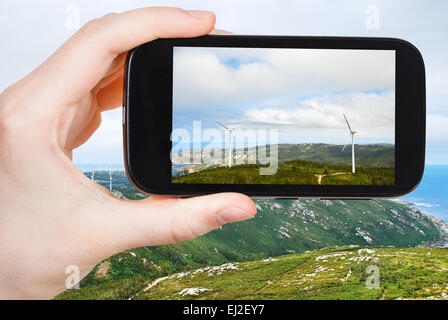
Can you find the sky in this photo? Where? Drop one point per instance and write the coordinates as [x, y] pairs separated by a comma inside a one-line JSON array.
[[303, 93], [31, 30]]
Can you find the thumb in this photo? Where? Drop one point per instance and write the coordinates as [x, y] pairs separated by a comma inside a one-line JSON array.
[[157, 221]]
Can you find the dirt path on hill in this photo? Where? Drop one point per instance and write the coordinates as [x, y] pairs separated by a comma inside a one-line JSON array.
[[320, 176]]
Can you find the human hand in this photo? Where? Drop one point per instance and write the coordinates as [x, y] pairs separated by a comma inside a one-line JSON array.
[[51, 215]]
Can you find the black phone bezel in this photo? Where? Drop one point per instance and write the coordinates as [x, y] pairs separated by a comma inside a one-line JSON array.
[[147, 122]]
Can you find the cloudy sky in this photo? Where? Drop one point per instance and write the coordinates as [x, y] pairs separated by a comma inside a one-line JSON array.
[[31, 30], [301, 92]]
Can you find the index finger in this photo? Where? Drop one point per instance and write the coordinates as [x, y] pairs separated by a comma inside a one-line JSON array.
[[75, 68]]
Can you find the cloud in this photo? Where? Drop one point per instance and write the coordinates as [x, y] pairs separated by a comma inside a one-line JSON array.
[[203, 77], [301, 92], [105, 146], [326, 112], [436, 133], [371, 114], [437, 130], [401, 18]]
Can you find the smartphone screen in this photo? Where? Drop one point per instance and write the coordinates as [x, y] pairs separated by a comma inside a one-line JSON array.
[[283, 116], [275, 116]]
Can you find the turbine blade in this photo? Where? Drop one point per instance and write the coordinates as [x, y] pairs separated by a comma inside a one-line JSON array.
[[221, 124], [345, 145], [348, 124]]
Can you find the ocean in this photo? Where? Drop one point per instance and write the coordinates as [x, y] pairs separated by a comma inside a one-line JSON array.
[[432, 193]]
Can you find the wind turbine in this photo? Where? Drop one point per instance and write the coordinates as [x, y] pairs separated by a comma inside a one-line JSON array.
[[352, 134], [93, 176], [110, 180], [230, 142]]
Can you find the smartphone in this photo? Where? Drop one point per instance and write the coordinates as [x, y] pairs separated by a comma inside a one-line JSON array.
[[275, 116]]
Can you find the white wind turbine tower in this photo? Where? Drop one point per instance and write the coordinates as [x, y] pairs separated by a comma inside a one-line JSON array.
[[352, 134], [93, 176], [110, 180], [230, 142]]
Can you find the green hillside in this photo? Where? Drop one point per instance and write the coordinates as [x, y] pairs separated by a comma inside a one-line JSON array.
[[332, 273], [367, 155], [279, 228], [299, 172]]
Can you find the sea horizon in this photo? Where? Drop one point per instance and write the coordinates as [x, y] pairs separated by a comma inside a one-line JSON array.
[[429, 196]]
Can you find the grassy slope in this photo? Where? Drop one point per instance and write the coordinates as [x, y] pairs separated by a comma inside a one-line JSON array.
[[292, 172], [367, 155], [280, 227], [330, 273]]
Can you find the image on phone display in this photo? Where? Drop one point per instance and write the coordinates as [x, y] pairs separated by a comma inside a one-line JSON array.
[[283, 116]]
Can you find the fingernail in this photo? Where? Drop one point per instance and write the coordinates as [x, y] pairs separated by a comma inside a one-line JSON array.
[[200, 14], [231, 214]]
